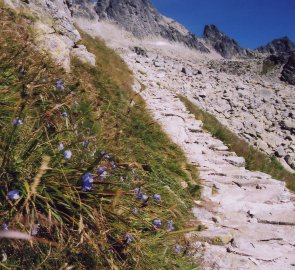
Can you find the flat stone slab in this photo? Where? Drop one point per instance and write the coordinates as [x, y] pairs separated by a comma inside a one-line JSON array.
[[236, 161]]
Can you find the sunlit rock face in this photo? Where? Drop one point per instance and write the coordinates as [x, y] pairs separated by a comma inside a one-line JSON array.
[[140, 18]]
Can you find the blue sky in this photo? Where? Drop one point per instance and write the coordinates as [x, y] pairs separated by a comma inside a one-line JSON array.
[[250, 22]]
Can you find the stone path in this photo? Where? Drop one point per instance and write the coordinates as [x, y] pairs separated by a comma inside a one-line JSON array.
[[250, 217]]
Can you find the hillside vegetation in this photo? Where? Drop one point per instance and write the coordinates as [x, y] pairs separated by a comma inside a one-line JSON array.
[[255, 160], [81, 162]]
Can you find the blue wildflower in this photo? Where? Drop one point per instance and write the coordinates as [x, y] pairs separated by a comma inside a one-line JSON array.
[[61, 147], [135, 211], [60, 85], [144, 198], [13, 195], [101, 170], [104, 175], [157, 197], [113, 165], [35, 229], [157, 223], [64, 114], [107, 156], [136, 190], [170, 226], [87, 177], [177, 248], [4, 227], [140, 195], [87, 180], [129, 238], [67, 154], [17, 121]]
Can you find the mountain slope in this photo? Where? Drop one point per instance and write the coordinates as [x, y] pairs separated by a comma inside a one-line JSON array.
[[142, 19], [83, 123]]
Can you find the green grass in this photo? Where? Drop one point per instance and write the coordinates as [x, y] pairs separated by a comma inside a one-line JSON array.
[[85, 230], [255, 159]]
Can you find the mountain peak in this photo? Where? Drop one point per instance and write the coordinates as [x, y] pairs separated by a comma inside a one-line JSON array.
[[277, 46], [223, 44], [211, 31]]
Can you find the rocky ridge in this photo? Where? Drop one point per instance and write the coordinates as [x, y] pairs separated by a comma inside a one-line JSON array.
[[143, 20], [224, 45], [278, 46]]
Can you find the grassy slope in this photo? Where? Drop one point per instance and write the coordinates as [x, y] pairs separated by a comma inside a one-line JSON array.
[[86, 229], [255, 160]]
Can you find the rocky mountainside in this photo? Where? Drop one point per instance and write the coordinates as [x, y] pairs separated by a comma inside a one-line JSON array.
[[221, 43], [142, 19], [278, 46], [288, 73], [248, 215]]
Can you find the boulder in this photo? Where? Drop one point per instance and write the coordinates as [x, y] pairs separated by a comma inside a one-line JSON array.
[[280, 152], [290, 160], [140, 51], [288, 124], [82, 54]]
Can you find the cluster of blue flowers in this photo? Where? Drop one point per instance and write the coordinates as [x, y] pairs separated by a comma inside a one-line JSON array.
[[157, 198], [170, 224], [87, 179]]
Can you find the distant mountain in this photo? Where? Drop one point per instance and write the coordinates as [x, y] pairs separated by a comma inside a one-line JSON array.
[[277, 46], [221, 43], [142, 19]]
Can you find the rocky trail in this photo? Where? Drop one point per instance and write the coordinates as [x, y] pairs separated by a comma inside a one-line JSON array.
[[250, 216]]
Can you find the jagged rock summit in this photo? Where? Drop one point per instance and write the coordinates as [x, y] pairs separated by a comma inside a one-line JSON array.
[[220, 42], [277, 46], [143, 20]]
